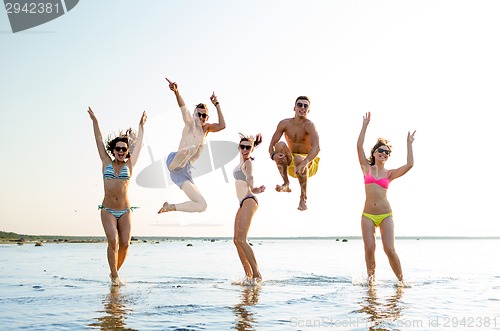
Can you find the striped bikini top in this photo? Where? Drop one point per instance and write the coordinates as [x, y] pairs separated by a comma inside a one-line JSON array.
[[109, 172]]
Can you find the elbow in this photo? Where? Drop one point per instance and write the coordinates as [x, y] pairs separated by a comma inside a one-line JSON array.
[[315, 150]]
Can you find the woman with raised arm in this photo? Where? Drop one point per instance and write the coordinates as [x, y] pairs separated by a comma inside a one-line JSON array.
[[377, 211], [118, 157], [245, 191]]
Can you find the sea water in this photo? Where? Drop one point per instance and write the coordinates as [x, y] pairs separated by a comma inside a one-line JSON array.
[[309, 284]]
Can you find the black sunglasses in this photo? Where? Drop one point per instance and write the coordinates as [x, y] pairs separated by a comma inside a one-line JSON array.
[[202, 115], [300, 105], [386, 151], [123, 149], [247, 147]]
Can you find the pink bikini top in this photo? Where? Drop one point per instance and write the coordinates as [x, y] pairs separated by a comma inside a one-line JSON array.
[[383, 182]]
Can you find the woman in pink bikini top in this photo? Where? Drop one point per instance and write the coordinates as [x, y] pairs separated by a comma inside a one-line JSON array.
[[377, 211]]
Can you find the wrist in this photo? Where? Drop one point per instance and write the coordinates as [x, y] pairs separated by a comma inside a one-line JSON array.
[[216, 103], [272, 155]]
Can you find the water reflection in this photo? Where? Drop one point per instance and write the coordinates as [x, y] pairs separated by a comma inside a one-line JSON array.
[[245, 318], [382, 313], [115, 312]]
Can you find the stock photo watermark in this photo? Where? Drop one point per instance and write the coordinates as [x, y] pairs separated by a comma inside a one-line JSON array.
[[26, 14], [215, 155], [452, 322]]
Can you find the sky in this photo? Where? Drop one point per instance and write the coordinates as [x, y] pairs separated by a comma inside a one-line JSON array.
[[429, 66]]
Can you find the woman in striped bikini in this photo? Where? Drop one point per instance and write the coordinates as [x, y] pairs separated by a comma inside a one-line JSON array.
[[377, 211], [115, 208]]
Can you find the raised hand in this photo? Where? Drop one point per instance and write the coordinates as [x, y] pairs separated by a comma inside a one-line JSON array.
[[143, 118], [213, 98], [91, 114], [366, 119], [411, 137], [172, 85]]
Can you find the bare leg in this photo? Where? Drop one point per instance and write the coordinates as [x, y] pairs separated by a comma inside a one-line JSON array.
[[239, 248], [197, 203], [241, 226], [387, 235], [124, 235], [281, 147], [109, 224], [303, 182], [368, 233]]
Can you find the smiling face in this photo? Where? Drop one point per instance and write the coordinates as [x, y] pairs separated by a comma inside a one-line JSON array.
[[202, 114], [382, 153], [120, 151], [301, 107], [245, 148]]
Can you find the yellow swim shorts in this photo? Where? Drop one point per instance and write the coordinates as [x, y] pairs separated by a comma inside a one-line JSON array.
[[313, 168]]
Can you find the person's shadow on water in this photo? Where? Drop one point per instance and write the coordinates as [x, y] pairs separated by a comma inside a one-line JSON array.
[[245, 319], [381, 313], [115, 312]]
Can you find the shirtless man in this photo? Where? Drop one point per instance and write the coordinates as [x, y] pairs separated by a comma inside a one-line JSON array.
[[299, 156], [179, 163]]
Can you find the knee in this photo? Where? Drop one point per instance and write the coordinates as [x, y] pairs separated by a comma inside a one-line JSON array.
[[124, 245], [202, 205], [113, 244], [238, 242], [390, 251], [280, 147]]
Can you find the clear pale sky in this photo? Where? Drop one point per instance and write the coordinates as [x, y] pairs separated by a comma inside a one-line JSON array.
[[430, 66]]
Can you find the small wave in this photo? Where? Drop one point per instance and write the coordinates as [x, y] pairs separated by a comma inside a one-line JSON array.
[[179, 310], [311, 280], [384, 283], [246, 282], [180, 281], [433, 281]]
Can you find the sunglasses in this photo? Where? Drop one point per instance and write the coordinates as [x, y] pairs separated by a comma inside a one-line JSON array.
[[202, 115], [386, 151], [123, 149], [247, 147], [300, 105]]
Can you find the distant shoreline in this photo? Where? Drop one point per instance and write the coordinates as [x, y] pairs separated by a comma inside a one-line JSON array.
[[15, 238]]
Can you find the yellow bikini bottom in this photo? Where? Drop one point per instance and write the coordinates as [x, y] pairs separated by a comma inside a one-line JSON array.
[[377, 219]]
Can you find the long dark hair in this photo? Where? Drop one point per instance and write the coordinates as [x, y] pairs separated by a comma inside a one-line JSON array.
[[128, 137]]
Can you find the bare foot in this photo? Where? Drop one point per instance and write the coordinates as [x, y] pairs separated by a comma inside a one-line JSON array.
[[116, 281], [283, 188], [371, 280], [302, 204], [166, 208]]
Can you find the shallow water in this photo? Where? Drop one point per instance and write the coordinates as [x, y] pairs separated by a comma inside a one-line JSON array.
[[316, 284]]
